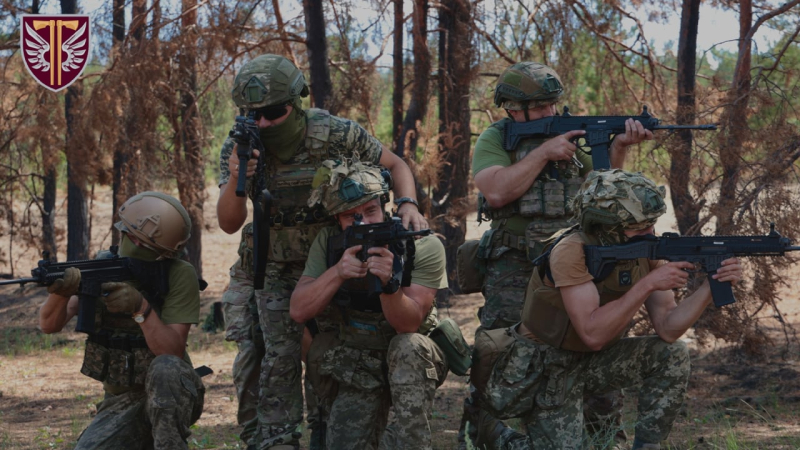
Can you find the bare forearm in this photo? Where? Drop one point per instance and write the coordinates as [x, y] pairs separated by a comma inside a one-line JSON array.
[[502, 185], [161, 338], [231, 210], [53, 314], [312, 295], [617, 153], [685, 314], [403, 313]]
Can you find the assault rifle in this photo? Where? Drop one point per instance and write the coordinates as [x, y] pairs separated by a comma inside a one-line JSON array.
[[391, 233], [94, 273], [600, 130], [706, 251], [245, 134]]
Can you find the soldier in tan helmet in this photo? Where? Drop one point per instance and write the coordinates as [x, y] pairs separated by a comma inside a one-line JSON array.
[[267, 370], [525, 193], [138, 347]]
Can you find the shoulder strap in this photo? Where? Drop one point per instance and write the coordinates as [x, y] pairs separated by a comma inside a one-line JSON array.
[[318, 131]]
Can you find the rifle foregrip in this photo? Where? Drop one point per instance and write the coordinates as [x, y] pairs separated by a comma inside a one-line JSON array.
[[721, 291]]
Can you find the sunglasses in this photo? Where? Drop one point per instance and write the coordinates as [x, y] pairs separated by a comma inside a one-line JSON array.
[[270, 112]]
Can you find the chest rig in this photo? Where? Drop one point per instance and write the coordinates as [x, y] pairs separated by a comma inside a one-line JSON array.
[[544, 313], [549, 197], [293, 224], [116, 351], [363, 324]]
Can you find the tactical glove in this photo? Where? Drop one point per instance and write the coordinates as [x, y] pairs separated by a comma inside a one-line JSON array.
[[68, 285], [121, 297]]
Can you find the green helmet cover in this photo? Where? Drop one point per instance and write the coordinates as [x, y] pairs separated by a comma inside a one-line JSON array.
[[527, 85], [268, 80], [340, 186], [610, 201]]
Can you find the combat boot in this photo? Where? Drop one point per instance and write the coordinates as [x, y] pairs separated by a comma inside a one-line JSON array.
[[493, 434]]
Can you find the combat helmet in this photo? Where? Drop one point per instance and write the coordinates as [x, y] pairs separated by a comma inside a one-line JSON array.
[[158, 221], [527, 85], [342, 185], [611, 201], [268, 80]]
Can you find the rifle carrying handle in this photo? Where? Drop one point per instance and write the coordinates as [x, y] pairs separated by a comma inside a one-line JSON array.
[[721, 291]]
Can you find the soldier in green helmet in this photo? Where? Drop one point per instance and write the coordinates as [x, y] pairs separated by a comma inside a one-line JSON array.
[[138, 346], [379, 354], [526, 194], [297, 140], [570, 342]]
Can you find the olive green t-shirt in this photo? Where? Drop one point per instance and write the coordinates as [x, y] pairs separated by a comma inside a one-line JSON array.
[[489, 152], [429, 260]]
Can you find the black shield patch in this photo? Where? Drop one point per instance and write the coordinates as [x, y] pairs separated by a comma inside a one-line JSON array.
[[625, 278]]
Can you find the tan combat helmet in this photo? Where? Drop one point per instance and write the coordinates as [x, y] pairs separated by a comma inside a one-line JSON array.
[[268, 80], [611, 201], [158, 221], [341, 186], [527, 85]]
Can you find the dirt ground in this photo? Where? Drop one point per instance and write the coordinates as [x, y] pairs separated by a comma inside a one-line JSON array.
[[45, 403]]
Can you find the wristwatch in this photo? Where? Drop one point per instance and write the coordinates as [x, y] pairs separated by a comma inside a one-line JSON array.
[[401, 200], [391, 286], [140, 317]]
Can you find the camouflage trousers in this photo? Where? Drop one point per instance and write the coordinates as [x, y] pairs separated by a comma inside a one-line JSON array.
[[357, 388], [280, 404], [550, 384], [508, 271], [156, 417], [241, 326]]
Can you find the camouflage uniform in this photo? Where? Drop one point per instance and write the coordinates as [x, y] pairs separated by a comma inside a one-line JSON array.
[[519, 228], [241, 326], [546, 371], [171, 400], [280, 405], [150, 401], [546, 387], [358, 374]]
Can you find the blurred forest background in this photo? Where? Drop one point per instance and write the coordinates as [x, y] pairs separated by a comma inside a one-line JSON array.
[[153, 107]]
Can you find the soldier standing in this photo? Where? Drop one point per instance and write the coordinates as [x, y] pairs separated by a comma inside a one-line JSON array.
[[380, 354], [296, 142], [526, 193], [138, 347]]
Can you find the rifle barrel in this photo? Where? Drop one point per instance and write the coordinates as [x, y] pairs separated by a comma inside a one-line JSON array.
[[19, 281], [686, 127]]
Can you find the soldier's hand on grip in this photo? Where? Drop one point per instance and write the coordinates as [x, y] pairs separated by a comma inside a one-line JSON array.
[[68, 285], [121, 297]]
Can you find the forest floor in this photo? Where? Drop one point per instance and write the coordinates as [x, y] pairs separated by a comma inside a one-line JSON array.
[[734, 401]]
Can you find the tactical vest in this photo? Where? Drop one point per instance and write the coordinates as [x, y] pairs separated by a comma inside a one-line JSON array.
[[549, 197], [293, 224], [544, 313], [117, 353]]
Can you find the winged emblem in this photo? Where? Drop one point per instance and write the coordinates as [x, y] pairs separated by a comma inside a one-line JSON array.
[[74, 48], [36, 49]]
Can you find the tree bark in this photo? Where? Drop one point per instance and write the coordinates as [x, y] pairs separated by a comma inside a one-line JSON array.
[[190, 174], [449, 203], [118, 192], [77, 211], [687, 211], [735, 131], [321, 86], [397, 67], [418, 106]]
